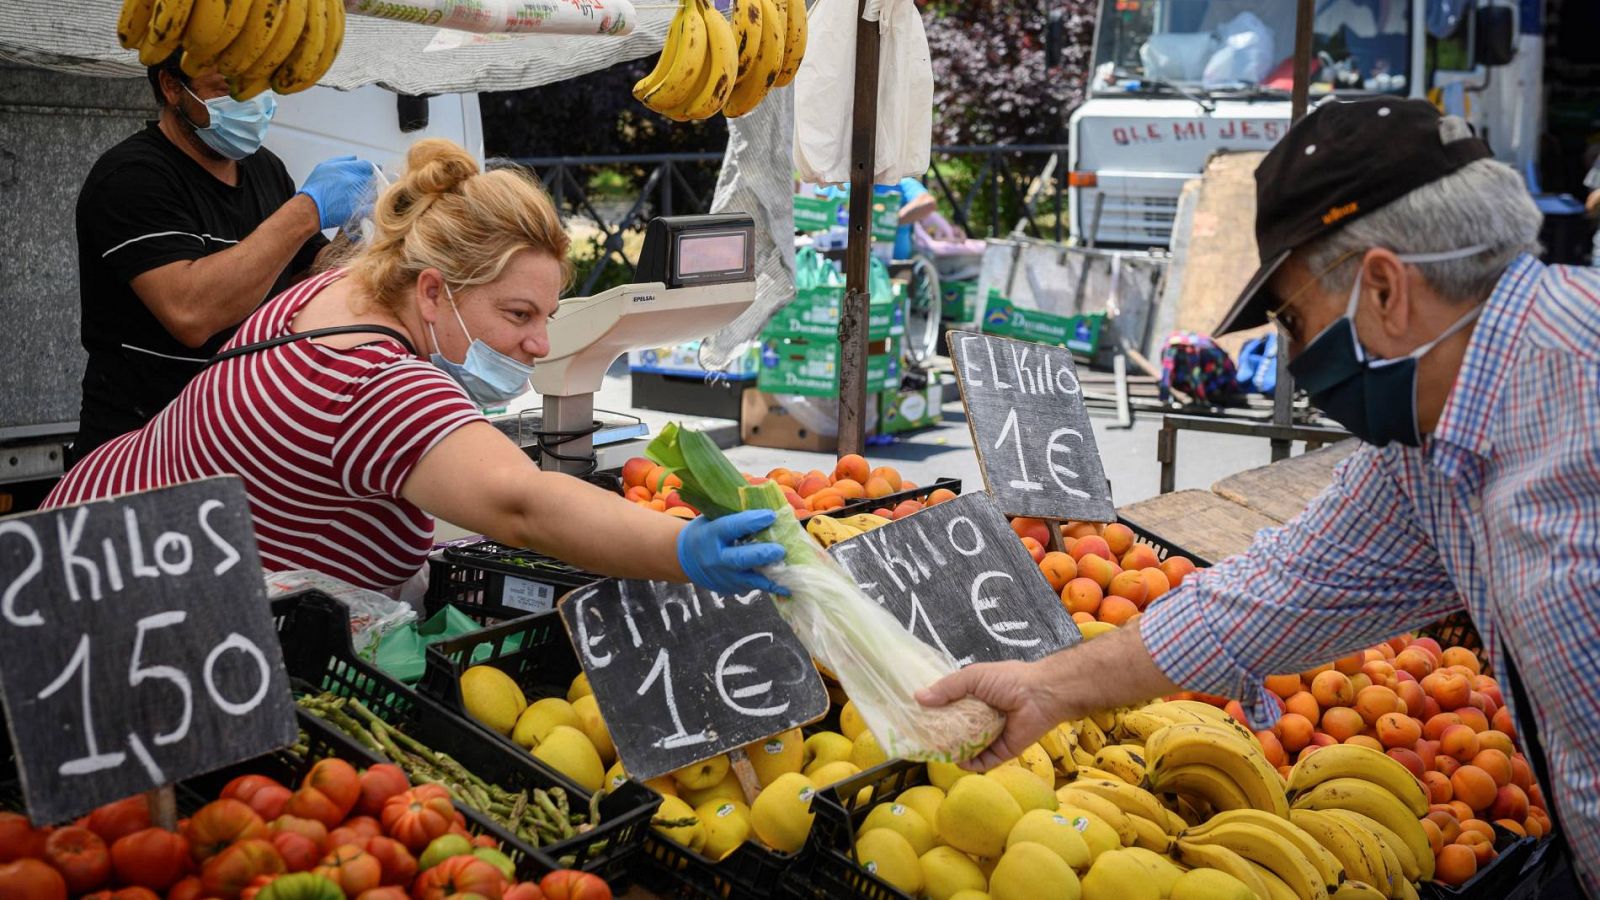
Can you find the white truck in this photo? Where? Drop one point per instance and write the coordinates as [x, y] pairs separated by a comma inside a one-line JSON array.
[[1174, 81]]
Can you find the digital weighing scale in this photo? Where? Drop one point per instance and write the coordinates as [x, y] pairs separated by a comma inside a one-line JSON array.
[[695, 275]]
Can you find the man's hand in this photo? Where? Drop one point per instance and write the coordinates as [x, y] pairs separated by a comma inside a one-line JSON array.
[[340, 187], [1592, 204], [1020, 690]]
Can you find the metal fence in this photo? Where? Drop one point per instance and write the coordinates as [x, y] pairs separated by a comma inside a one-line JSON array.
[[987, 190]]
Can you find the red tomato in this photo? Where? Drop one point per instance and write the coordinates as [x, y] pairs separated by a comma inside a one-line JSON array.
[[18, 838], [31, 879], [309, 828], [523, 890], [570, 884], [419, 815], [353, 869], [220, 824], [399, 866], [262, 794], [384, 893], [354, 831], [228, 873], [187, 889], [151, 857], [121, 818], [80, 856], [460, 875], [337, 780], [300, 853], [127, 893], [378, 784]]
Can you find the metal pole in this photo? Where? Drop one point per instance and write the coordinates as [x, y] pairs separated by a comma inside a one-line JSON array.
[[1283, 392], [858, 253]]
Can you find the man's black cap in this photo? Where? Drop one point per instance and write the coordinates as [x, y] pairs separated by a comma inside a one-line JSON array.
[[1338, 163]]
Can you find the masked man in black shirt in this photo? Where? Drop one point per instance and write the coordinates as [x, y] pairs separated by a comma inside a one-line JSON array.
[[183, 230]]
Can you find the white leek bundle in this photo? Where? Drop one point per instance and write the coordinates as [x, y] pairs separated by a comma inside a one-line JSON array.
[[879, 663]]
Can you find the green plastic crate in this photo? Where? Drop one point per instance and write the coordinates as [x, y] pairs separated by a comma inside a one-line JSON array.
[[1080, 333], [814, 313], [811, 368], [815, 213]]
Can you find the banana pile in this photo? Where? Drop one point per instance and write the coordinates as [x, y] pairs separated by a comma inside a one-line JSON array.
[[709, 65], [1190, 782], [284, 45], [827, 530]]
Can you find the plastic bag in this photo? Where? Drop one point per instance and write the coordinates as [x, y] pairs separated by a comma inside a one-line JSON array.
[[401, 653], [372, 615], [825, 90], [881, 665], [1246, 55]]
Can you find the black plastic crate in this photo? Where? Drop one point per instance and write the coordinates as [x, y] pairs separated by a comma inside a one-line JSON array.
[[828, 867], [536, 652], [1163, 547], [1455, 630], [314, 630], [1495, 880], [750, 872], [492, 582]]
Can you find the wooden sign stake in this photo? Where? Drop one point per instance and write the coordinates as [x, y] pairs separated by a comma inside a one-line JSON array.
[[163, 808], [746, 773]]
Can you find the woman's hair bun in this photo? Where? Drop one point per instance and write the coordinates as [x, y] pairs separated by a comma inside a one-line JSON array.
[[437, 166]]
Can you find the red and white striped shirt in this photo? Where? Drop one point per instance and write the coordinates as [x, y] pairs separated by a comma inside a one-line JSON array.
[[323, 437]]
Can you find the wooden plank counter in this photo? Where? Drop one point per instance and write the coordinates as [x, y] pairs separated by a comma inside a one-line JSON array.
[[1281, 490], [1199, 521]]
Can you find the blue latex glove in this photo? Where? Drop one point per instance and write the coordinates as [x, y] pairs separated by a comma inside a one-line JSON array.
[[712, 557], [340, 187]]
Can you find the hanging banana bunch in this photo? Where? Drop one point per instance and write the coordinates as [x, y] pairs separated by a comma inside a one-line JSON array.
[[282, 45], [709, 64]]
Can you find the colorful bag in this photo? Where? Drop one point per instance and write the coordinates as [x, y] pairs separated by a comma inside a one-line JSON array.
[[1193, 364]]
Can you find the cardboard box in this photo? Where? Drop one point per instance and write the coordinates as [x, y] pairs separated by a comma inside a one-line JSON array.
[[909, 410], [1080, 334], [810, 366], [763, 422], [684, 359], [814, 313]]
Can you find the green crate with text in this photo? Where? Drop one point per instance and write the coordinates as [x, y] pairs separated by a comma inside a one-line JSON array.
[[909, 410], [815, 213], [959, 300], [810, 367], [1080, 334], [814, 313], [885, 217]]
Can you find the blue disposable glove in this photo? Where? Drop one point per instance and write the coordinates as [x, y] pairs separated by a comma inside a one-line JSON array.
[[340, 187], [712, 557]]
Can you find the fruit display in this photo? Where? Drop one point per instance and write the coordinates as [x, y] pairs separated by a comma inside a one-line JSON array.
[[538, 817], [710, 64], [567, 734], [281, 45], [809, 493], [1102, 573], [341, 832], [1432, 710]]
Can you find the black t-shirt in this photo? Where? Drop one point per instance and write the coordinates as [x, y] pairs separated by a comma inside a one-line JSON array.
[[146, 204]]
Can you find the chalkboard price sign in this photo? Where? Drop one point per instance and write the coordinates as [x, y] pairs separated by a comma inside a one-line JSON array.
[[683, 674], [136, 645], [1035, 444], [957, 577]]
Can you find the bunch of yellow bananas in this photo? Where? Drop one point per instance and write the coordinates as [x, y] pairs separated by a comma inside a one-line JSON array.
[[709, 65], [285, 45], [829, 531]]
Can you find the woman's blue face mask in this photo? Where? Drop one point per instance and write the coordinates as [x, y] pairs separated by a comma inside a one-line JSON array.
[[490, 377]]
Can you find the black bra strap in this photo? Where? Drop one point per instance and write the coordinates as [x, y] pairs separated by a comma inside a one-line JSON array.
[[313, 333]]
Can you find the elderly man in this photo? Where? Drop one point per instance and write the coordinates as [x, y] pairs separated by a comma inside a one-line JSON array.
[[1398, 258]]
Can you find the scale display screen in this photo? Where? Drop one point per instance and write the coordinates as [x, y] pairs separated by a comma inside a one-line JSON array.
[[706, 254], [682, 251]]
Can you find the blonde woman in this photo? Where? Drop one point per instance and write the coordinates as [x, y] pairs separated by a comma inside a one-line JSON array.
[[349, 404]]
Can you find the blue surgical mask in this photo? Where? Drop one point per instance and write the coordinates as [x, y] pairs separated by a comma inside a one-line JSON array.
[[1374, 399], [237, 127], [489, 376]]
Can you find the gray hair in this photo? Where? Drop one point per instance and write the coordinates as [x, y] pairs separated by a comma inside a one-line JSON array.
[[1485, 202]]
